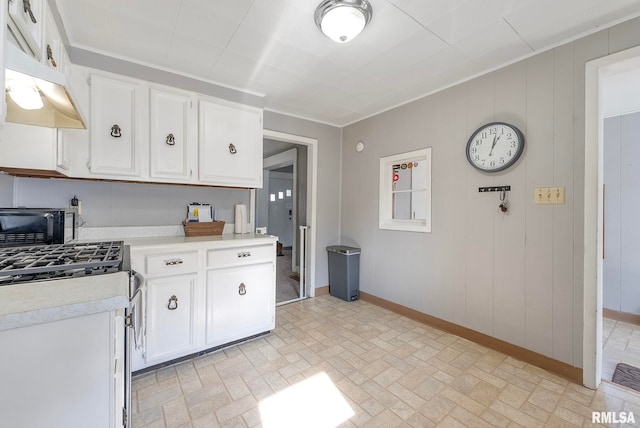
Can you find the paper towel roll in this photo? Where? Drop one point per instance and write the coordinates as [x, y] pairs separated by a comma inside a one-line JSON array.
[[240, 225]]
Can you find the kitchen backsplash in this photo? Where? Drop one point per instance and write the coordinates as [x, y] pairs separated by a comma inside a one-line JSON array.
[[6, 190], [121, 204]]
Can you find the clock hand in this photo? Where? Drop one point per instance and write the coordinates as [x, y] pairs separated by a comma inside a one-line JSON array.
[[493, 144]]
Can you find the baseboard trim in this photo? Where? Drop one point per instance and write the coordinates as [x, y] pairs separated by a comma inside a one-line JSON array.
[[560, 368], [621, 316], [321, 291]]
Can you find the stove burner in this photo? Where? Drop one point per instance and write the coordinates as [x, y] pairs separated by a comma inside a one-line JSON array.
[[38, 263]]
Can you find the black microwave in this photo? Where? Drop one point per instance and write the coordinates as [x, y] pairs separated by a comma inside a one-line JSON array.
[[37, 226]]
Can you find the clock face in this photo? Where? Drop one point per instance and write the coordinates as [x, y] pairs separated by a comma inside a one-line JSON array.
[[495, 147]]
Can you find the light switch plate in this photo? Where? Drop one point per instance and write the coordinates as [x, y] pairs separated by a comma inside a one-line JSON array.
[[549, 195], [541, 195], [557, 195]]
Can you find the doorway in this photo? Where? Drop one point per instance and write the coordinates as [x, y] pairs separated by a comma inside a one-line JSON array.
[[597, 72], [285, 207]]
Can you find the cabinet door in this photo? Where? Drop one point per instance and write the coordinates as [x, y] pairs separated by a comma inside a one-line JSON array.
[[28, 23], [170, 317], [61, 374], [52, 45], [230, 145], [170, 126], [240, 302], [113, 127]]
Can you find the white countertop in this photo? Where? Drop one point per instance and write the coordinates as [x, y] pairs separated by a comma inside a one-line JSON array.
[[224, 240], [31, 303]]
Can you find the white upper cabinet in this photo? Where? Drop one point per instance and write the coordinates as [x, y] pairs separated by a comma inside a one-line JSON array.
[[172, 142], [27, 24], [53, 51], [230, 144], [116, 126]]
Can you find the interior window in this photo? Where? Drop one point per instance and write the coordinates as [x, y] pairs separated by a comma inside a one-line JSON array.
[[405, 191]]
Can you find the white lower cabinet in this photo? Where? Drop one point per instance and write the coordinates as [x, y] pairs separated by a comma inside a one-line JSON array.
[[63, 374], [240, 302], [204, 294], [171, 312]]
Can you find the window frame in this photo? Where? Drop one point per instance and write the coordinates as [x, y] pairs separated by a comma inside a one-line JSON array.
[[385, 211]]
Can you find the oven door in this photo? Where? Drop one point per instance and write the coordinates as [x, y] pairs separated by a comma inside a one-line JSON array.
[[134, 334]]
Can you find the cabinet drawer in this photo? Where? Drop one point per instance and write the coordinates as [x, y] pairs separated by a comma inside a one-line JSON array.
[[240, 255], [170, 263]]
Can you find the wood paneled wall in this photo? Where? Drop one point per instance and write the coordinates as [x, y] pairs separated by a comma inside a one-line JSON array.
[[516, 277]]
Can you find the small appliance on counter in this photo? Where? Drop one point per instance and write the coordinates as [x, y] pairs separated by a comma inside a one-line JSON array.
[[37, 226], [201, 221]]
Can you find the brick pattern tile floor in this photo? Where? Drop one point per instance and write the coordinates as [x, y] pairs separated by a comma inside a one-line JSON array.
[[333, 363]]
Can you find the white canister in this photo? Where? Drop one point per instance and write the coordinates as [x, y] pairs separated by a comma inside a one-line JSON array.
[[240, 222]]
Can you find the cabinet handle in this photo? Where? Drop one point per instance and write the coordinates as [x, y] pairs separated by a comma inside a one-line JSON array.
[[244, 254], [232, 149], [173, 303], [116, 132], [242, 289], [171, 140], [173, 262], [26, 6], [50, 56]]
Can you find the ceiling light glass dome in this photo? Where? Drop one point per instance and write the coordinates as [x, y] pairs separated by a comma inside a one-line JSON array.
[[342, 20]]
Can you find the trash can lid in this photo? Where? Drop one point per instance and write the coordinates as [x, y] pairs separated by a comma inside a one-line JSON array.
[[343, 249]]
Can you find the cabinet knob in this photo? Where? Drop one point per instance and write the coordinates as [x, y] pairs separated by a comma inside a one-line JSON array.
[[26, 7], [173, 262], [171, 140], [173, 303], [242, 289], [50, 57], [244, 254], [116, 132], [232, 149]]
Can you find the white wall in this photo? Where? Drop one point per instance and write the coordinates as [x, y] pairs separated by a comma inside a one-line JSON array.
[[126, 204], [516, 277], [621, 276]]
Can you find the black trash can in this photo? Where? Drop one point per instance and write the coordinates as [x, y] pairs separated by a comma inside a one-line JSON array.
[[344, 272]]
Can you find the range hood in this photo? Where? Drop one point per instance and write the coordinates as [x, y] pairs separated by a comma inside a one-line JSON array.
[[25, 75]]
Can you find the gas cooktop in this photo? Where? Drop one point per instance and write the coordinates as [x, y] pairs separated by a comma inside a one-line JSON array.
[[46, 262]]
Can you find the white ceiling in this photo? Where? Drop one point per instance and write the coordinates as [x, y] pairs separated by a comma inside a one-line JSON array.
[[273, 48]]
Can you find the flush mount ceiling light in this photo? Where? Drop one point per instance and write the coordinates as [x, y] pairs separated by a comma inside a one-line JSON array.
[[342, 20]]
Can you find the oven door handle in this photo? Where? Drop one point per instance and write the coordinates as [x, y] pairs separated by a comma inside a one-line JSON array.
[[137, 281]]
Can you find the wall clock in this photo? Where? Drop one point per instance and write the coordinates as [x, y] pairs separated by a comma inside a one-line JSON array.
[[495, 147]]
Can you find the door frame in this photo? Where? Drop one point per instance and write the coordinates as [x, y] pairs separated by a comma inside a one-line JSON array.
[[593, 227], [312, 196]]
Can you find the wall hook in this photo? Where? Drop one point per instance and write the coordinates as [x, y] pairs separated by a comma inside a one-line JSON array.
[[504, 203]]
